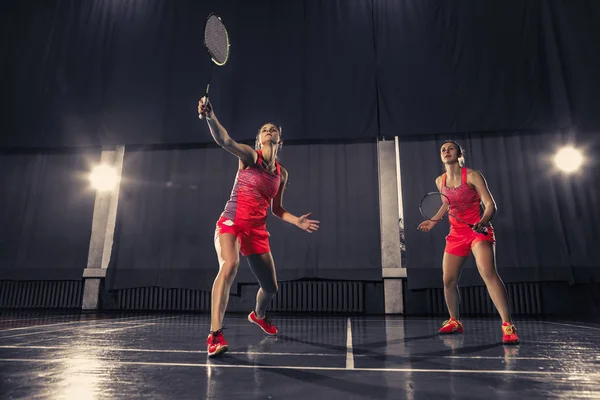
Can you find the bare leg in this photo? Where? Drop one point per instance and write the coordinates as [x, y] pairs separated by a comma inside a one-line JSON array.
[[263, 268], [228, 250], [451, 267], [485, 256]]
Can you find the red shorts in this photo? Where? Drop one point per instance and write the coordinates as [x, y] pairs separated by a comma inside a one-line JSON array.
[[253, 240], [461, 242]]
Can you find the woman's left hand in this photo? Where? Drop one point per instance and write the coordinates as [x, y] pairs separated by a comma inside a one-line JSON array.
[[308, 225]]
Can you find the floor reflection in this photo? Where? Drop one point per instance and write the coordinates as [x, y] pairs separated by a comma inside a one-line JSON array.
[[164, 356]]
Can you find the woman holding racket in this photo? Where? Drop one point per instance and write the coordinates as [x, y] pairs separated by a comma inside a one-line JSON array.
[[465, 189], [260, 182]]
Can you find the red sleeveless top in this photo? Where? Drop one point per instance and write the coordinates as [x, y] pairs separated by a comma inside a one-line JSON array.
[[252, 192], [465, 202]]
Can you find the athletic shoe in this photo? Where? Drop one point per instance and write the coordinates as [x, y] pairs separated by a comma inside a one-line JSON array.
[[264, 324], [216, 343], [509, 333], [451, 326]]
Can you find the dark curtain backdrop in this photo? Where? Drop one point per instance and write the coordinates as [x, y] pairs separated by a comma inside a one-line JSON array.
[[131, 72], [170, 200], [123, 72], [546, 222], [469, 65], [46, 209]]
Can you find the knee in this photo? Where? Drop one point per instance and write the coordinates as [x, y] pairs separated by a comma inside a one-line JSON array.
[[450, 282], [228, 270], [489, 276]]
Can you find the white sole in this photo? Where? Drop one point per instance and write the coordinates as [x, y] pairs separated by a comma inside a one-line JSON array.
[[221, 350]]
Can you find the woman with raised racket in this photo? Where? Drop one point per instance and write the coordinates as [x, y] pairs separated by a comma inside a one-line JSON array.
[[260, 183], [466, 189]]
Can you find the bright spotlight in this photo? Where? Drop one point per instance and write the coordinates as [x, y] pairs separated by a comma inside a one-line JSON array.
[[568, 159], [104, 178]]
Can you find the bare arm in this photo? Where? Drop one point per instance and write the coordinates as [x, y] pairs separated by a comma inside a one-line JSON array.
[[245, 153], [476, 179], [277, 202], [277, 209], [428, 224], [444, 207]]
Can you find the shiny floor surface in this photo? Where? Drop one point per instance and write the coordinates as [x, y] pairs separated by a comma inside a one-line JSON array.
[[163, 356]]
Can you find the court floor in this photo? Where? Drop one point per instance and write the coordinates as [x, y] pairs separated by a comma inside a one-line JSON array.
[[163, 356]]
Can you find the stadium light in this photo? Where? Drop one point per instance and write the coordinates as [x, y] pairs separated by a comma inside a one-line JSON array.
[[568, 159], [104, 178]]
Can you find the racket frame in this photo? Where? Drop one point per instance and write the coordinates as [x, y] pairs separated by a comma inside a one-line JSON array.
[[485, 231], [226, 35], [212, 58]]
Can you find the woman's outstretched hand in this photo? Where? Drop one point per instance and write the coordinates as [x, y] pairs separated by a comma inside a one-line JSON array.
[[308, 225], [205, 108], [427, 225]]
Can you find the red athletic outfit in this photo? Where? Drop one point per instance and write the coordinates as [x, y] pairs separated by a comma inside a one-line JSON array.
[[245, 213], [466, 205]]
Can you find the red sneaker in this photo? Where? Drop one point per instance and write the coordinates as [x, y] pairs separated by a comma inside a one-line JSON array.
[[509, 332], [216, 343], [264, 324], [451, 326]]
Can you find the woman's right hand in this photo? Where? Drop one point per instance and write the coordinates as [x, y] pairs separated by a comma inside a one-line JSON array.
[[205, 108], [427, 225]]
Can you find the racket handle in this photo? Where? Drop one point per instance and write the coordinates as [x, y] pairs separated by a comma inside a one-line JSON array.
[[483, 231]]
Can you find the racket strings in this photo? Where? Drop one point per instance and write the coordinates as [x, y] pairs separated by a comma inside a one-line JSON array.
[[431, 205], [216, 39]]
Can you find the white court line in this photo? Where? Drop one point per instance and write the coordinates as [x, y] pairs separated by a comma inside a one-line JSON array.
[[35, 333], [174, 351], [576, 326], [349, 355], [40, 326], [114, 320], [133, 350], [299, 367], [32, 319], [127, 327], [92, 326], [68, 329], [500, 358]]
